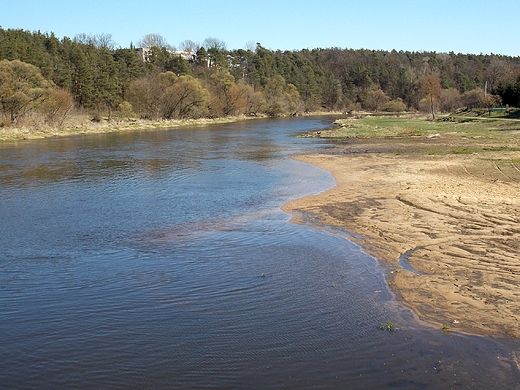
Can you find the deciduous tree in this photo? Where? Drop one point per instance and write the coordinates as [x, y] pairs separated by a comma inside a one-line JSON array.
[[450, 100], [477, 98], [185, 98], [281, 98], [100, 41], [126, 110], [189, 46], [254, 100], [432, 91], [226, 98], [144, 94], [155, 40], [57, 106], [22, 88], [214, 43]]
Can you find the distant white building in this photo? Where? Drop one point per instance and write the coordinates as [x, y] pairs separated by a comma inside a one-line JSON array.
[[145, 53], [188, 55]]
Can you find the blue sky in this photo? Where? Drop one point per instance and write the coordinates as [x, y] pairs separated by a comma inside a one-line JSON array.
[[475, 26]]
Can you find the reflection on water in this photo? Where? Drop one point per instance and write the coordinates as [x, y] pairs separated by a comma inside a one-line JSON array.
[[162, 260]]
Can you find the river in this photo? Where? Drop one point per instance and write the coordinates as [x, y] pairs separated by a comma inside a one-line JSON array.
[[162, 259]]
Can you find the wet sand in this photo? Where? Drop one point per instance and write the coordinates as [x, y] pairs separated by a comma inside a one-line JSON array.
[[446, 227]]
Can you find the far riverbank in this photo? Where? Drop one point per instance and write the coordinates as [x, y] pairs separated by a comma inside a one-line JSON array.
[[105, 126], [86, 126]]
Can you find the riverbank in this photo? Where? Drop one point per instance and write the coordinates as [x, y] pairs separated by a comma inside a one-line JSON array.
[[451, 219], [86, 126], [82, 124]]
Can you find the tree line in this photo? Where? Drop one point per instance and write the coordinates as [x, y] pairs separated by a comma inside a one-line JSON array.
[[89, 72]]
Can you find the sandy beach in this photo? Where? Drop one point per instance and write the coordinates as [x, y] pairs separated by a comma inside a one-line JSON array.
[[453, 219]]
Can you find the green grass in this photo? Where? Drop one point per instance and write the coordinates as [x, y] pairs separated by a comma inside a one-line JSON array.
[[470, 150], [377, 127], [387, 326], [383, 127], [469, 133]]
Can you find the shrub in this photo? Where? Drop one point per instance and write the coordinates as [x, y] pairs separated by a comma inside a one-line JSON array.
[[396, 105], [126, 110]]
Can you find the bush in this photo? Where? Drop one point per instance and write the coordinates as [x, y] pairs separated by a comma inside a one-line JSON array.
[[126, 110], [57, 106], [450, 100], [476, 98], [375, 100], [396, 105]]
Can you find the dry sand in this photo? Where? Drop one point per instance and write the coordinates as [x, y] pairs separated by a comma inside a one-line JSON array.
[[458, 218]]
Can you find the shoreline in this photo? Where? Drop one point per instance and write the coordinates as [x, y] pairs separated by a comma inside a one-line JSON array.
[[446, 227], [86, 126], [105, 127], [455, 219]]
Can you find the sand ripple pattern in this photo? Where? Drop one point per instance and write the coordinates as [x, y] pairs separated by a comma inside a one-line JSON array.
[[457, 218]]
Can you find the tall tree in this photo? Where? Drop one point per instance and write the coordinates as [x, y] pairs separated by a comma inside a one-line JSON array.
[[202, 56], [107, 93], [432, 90], [82, 78]]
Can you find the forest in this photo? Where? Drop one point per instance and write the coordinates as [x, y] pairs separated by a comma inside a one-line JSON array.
[[53, 76]]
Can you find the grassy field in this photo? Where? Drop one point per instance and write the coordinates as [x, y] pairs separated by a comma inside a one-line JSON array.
[[462, 133]]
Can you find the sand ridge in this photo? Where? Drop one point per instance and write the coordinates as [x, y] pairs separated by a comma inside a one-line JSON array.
[[456, 217]]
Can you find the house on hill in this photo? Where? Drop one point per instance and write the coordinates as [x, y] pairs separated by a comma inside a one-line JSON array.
[[145, 53]]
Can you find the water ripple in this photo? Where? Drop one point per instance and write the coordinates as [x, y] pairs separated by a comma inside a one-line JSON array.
[[162, 260]]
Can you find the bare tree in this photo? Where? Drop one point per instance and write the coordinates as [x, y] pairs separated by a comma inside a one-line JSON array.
[[154, 40], [250, 45], [86, 39], [105, 41], [101, 41], [432, 90], [57, 106], [189, 46], [450, 100], [214, 43], [497, 71]]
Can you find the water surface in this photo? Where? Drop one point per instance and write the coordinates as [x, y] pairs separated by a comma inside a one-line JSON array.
[[161, 259]]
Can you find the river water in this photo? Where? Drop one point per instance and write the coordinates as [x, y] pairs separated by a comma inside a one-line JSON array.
[[162, 259]]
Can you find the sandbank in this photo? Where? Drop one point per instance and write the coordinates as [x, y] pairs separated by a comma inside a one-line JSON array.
[[456, 219]]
